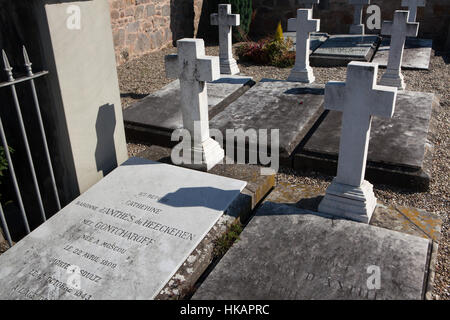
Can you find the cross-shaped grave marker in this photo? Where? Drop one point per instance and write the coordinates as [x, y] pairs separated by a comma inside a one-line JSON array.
[[193, 69], [398, 29], [225, 20], [359, 98], [412, 7], [308, 4], [303, 25], [358, 27]]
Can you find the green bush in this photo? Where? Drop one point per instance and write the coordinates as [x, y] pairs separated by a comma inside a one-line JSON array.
[[244, 8]]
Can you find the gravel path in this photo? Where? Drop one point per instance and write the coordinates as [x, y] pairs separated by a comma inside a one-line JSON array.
[[145, 75]]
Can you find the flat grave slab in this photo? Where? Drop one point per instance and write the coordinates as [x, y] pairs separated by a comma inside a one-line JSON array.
[[291, 107], [285, 253], [416, 55], [316, 40], [339, 50], [124, 238], [399, 149], [157, 115]]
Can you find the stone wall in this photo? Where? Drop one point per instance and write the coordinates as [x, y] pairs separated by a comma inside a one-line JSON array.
[[337, 15]]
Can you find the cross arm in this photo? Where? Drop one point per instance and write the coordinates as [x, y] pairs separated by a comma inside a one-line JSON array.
[[412, 29], [214, 19], [384, 98], [386, 28], [292, 24], [234, 19], [208, 68], [171, 62], [314, 25], [335, 96]]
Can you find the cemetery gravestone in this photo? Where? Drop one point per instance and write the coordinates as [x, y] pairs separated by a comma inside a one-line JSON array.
[[124, 238], [225, 20], [194, 69], [359, 98], [412, 8], [308, 4], [303, 25], [358, 26], [398, 29]]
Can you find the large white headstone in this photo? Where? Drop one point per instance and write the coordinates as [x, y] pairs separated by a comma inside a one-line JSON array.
[[225, 20], [123, 239], [359, 98], [194, 69], [398, 29], [358, 26], [412, 7], [303, 25]]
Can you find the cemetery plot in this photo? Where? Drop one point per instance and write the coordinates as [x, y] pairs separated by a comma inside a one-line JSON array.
[[122, 239], [339, 50], [316, 40], [416, 54], [157, 115], [291, 107], [398, 150], [296, 255]]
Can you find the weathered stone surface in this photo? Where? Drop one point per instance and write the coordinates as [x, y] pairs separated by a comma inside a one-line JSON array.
[[417, 53], [398, 148], [339, 50], [291, 107], [154, 118], [126, 236], [315, 39], [295, 255]]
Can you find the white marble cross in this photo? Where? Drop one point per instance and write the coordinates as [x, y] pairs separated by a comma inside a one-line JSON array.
[[225, 20], [412, 7], [308, 4], [359, 98], [398, 29], [303, 25], [358, 26], [194, 69]]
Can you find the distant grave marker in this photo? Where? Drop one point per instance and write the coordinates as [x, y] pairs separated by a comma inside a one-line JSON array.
[[358, 26]]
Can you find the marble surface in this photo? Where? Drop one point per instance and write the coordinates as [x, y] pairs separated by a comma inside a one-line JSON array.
[[124, 238]]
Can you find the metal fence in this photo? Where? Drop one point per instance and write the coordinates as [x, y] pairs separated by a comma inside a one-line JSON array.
[[11, 84]]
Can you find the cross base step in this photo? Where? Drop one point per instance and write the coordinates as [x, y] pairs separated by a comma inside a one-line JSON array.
[[393, 80], [357, 29], [229, 67], [203, 156], [302, 75]]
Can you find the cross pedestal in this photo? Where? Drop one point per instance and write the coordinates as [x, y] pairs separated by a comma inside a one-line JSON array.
[[303, 25], [225, 20], [398, 29], [358, 26], [412, 7], [359, 98], [194, 69]]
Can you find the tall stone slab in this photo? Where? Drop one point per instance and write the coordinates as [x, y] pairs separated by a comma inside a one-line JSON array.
[[358, 26], [225, 20], [412, 7], [349, 195], [398, 29], [80, 97], [303, 25], [194, 69]]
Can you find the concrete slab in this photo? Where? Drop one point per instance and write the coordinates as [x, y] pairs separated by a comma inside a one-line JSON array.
[[285, 253], [339, 50], [416, 55], [399, 150], [316, 40], [291, 107], [155, 117]]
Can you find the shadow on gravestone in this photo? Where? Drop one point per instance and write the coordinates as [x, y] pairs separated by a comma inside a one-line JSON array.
[[105, 151]]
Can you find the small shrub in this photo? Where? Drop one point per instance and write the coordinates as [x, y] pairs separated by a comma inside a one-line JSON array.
[[268, 52]]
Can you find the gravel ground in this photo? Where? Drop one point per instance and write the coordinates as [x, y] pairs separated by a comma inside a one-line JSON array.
[[146, 75]]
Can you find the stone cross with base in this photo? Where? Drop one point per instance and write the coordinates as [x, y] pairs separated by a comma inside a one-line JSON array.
[[303, 24], [398, 29], [194, 69], [358, 27], [359, 98], [412, 7], [225, 20], [308, 4]]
